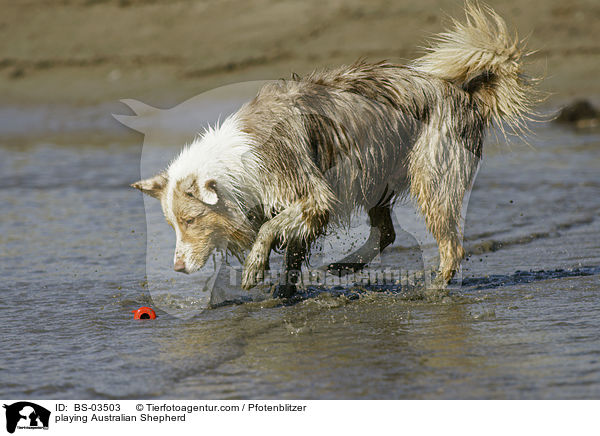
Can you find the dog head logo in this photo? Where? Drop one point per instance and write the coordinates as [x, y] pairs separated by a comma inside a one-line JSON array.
[[26, 415]]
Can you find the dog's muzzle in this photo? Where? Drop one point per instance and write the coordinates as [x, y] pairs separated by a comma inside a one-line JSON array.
[[180, 266]]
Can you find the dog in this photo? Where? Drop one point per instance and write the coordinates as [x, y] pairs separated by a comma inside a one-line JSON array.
[[307, 152]]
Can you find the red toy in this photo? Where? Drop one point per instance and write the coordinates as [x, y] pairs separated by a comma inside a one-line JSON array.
[[144, 313]]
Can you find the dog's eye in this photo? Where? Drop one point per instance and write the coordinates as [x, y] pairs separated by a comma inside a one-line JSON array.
[[189, 221]]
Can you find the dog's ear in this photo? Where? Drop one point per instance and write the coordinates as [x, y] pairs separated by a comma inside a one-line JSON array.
[[205, 191], [209, 192], [154, 186]]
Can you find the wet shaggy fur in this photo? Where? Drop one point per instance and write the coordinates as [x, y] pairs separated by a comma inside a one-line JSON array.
[[306, 153]]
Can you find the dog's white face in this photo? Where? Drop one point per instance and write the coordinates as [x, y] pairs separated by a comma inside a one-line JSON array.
[[201, 220]]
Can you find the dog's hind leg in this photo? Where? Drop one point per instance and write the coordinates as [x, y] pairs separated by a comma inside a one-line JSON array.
[[444, 226], [381, 235], [439, 190]]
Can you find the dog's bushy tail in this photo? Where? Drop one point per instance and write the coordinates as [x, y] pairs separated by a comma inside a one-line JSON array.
[[481, 57]]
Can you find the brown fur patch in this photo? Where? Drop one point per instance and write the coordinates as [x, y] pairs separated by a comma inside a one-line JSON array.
[[201, 224]]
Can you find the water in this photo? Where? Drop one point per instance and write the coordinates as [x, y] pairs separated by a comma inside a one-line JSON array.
[[524, 323]]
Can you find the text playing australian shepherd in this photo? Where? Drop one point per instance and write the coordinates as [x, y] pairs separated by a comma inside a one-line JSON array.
[[306, 153]]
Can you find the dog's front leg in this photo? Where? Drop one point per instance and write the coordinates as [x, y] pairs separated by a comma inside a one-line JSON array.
[[302, 221], [257, 261], [295, 254]]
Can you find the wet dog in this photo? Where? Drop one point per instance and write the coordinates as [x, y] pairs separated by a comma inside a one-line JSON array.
[[307, 152]]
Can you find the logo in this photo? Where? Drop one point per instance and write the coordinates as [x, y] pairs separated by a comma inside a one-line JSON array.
[[26, 415]]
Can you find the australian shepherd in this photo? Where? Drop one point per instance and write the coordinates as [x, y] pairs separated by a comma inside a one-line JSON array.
[[307, 152]]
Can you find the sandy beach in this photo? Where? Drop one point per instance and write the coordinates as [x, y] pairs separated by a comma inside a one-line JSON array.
[[85, 52]]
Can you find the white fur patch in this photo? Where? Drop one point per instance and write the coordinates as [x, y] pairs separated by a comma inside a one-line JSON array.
[[219, 153], [214, 154]]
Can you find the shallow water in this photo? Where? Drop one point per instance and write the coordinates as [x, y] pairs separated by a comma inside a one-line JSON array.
[[523, 324]]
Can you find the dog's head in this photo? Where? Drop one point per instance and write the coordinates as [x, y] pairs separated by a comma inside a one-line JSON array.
[[203, 217]]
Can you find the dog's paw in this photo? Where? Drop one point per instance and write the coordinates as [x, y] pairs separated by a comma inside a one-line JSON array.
[[439, 282], [285, 290], [254, 269], [448, 271], [251, 278]]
